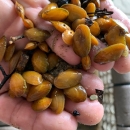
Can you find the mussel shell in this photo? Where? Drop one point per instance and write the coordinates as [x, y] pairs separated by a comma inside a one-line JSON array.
[[17, 85], [40, 61], [32, 77], [67, 79], [41, 104], [75, 12], [82, 40], [110, 53], [76, 93], [58, 100], [37, 35], [38, 91]]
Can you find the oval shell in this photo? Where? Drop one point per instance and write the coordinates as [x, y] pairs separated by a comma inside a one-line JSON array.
[[41, 104], [56, 14], [110, 53], [82, 40], [17, 85], [32, 77], [76, 93], [67, 79], [75, 12], [39, 91], [58, 101]]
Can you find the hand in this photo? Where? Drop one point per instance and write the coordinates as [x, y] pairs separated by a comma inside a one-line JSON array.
[[18, 112]]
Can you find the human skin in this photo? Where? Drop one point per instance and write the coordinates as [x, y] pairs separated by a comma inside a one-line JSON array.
[[18, 112]]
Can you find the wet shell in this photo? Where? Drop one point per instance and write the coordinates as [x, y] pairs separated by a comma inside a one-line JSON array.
[[94, 40], [56, 14], [76, 93], [82, 40], [3, 44], [32, 77], [115, 35], [127, 37], [41, 104], [40, 61], [67, 37], [60, 26], [28, 23], [30, 46], [110, 53], [9, 52], [91, 8], [53, 60], [76, 2], [48, 7], [14, 61], [17, 85], [95, 29], [19, 9], [44, 47], [67, 79], [75, 12], [86, 62], [48, 77], [37, 35], [58, 101], [39, 91]]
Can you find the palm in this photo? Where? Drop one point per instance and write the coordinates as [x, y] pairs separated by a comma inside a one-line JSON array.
[[18, 112]]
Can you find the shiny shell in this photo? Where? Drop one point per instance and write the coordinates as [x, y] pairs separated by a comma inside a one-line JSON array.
[[56, 14], [14, 60], [32, 77], [17, 85], [30, 46], [91, 8], [115, 35], [40, 61], [48, 7], [67, 37], [39, 91], [67, 79], [110, 53], [3, 44], [41, 104], [86, 62], [53, 60], [75, 12], [95, 29], [44, 47], [76, 2], [58, 100], [76, 93], [28, 23], [37, 35], [127, 37], [19, 9], [60, 26], [9, 52], [94, 40], [82, 40]]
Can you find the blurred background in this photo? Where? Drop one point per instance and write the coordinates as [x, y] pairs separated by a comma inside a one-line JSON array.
[[116, 95]]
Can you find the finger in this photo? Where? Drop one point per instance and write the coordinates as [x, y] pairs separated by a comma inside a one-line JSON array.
[[91, 82], [117, 13], [122, 65], [14, 114], [91, 112]]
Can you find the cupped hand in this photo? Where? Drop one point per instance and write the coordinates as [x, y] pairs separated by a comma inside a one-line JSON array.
[[18, 112]]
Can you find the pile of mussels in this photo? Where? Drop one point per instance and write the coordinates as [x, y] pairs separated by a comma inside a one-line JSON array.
[[42, 77]]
